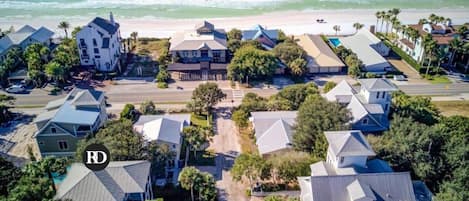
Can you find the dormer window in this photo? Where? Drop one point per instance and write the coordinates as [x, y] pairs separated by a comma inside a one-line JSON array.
[[53, 130], [365, 121]]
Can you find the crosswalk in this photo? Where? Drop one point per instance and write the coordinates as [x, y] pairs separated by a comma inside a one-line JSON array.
[[238, 94]]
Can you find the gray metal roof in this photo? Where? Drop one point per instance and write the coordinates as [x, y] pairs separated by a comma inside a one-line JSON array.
[[264, 120], [277, 137], [360, 44], [186, 118], [192, 40], [273, 130], [377, 84], [348, 143], [163, 129], [69, 110], [106, 25], [42, 34], [384, 186], [110, 184]]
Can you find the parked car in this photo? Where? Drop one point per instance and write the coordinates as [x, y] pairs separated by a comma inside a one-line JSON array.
[[15, 89], [399, 78]]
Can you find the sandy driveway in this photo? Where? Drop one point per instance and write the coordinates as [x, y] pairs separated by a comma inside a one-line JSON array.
[[224, 141]]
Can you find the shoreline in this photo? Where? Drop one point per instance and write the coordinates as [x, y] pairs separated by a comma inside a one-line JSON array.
[[291, 22]]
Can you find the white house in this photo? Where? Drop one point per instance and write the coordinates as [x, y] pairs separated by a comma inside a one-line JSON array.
[[369, 105], [369, 49], [348, 175], [441, 33], [165, 129], [99, 44]]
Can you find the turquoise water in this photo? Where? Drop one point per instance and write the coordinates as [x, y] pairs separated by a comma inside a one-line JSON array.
[[83, 9], [335, 41]]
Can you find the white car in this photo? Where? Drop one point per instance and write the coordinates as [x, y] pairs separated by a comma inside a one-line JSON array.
[[16, 89], [399, 78]]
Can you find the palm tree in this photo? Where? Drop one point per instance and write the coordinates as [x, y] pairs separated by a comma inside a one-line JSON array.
[[64, 25], [134, 35], [336, 29], [455, 45], [423, 21], [395, 11], [465, 51], [426, 41], [378, 17], [382, 14], [387, 18], [394, 22], [430, 48], [432, 18], [440, 55], [357, 26]]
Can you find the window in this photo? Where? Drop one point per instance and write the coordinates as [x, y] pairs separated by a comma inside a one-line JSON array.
[[194, 53], [96, 50], [341, 159], [365, 121], [384, 95], [53, 130], [377, 95], [63, 145], [386, 107], [174, 146], [94, 42], [41, 143], [97, 56], [108, 65]]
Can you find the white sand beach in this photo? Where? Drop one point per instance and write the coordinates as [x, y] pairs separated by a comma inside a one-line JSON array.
[[292, 22]]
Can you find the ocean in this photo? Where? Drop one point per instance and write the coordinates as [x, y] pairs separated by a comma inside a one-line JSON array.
[[183, 9]]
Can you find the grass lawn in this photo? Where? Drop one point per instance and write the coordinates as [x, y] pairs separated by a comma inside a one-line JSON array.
[[441, 79], [200, 120], [203, 158], [449, 108], [246, 141]]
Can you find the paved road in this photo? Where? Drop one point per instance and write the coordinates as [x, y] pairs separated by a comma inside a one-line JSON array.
[[436, 89], [116, 96]]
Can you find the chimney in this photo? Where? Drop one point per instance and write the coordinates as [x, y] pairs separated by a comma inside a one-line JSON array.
[[111, 18]]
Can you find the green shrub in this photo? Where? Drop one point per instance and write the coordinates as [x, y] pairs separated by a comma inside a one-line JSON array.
[[248, 192], [162, 85], [328, 86]]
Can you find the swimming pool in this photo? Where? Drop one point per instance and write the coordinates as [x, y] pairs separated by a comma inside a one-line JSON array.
[[335, 42]]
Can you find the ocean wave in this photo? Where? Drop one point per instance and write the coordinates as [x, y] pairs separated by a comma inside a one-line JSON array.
[[78, 4]]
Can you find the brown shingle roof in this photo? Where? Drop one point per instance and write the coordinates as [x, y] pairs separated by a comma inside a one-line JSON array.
[[407, 43]]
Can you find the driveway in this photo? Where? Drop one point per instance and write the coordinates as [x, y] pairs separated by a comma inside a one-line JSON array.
[[225, 140], [413, 76]]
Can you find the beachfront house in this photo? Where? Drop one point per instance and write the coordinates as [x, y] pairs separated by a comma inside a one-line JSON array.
[[441, 33], [24, 37], [273, 131], [119, 181], [369, 105], [369, 49], [199, 54], [320, 57], [165, 129], [67, 120], [348, 175], [99, 44], [266, 37]]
